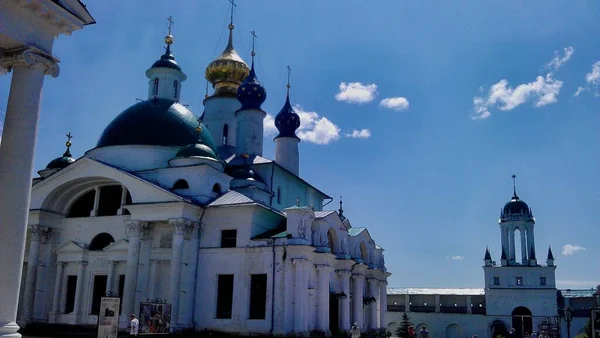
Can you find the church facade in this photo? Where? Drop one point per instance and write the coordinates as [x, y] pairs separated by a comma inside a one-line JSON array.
[[185, 211], [519, 292]]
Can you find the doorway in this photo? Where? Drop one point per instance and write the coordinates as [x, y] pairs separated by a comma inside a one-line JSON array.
[[98, 292], [334, 314], [522, 321]]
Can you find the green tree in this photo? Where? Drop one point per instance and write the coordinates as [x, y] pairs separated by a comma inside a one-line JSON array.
[[587, 331], [402, 331]]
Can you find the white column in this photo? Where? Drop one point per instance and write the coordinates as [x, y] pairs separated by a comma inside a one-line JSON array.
[[357, 299], [530, 240], [16, 166], [383, 304], [79, 289], [57, 286], [300, 294], [110, 279], [437, 303], [179, 227], [152, 281], [323, 273], [187, 303], [511, 238], [345, 301], [407, 303], [133, 230], [143, 266], [123, 199], [374, 292], [524, 252], [35, 236]]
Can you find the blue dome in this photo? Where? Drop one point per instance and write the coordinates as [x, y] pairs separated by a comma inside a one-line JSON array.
[[287, 121], [167, 60], [516, 209], [251, 93], [158, 122], [60, 162], [196, 150], [244, 173]]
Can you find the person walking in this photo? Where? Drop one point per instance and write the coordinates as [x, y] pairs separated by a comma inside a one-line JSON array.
[[355, 331], [134, 327], [424, 333]]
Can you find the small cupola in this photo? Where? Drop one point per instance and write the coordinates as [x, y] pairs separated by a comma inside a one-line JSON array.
[[251, 93], [165, 74], [202, 151], [516, 209], [59, 162]]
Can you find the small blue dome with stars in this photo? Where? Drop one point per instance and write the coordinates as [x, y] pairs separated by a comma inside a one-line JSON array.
[[287, 121], [251, 93]]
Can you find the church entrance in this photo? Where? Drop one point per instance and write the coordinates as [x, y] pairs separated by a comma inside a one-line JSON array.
[[334, 314], [522, 321]]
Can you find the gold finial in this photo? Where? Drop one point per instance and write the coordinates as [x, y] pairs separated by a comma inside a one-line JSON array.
[[254, 37], [69, 137], [231, 17], [169, 37], [245, 155], [288, 83]]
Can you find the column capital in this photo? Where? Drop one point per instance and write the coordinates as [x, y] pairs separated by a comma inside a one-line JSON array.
[[180, 225], [36, 232], [30, 57], [343, 272], [135, 228], [51, 235], [358, 276], [323, 267], [60, 263], [298, 261], [192, 231]]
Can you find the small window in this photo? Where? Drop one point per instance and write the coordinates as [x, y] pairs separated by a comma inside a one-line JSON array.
[[258, 296], [155, 89], [519, 280], [224, 296], [225, 134], [279, 195], [175, 88], [181, 184], [228, 238], [216, 188], [542, 280], [70, 294], [83, 206], [496, 280]]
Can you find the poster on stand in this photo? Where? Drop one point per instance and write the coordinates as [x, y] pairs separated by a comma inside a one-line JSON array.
[[155, 318], [595, 321], [108, 318]]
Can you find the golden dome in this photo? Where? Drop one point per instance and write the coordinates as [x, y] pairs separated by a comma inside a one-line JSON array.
[[228, 71]]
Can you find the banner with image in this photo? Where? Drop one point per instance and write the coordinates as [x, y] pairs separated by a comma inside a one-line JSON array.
[[155, 318], [108, 318]]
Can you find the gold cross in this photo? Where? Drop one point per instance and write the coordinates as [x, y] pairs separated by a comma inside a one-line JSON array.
[[171, 22], [232, 5]]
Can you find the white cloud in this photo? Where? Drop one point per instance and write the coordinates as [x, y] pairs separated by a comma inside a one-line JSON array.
[[579, 91], [569, 249], [558, 61], [356, 92], [269, 126], [543, 91], [316, 129], [395, 103], [593, 77], [313, 128], [363, 133], [456, 258]]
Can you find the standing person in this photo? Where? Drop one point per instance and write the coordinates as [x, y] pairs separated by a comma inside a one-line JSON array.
[[355, 331], [424, 333], [135, 326]]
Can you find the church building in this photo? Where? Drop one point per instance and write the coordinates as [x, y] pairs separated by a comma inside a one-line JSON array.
[[174, 209], [519, 292]]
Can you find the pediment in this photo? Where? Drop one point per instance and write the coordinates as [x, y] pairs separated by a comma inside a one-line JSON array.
[[69, 247], [120, 245]]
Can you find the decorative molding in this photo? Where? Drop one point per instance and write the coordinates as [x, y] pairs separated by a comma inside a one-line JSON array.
[[36, 232], [166, 240], [180, 226], [135, 228], [298, 261], [30, 57], [57, 17], [323, 267], [101, 264], [343, 272]]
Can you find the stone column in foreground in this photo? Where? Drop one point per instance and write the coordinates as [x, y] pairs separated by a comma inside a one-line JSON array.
[[16, 166]]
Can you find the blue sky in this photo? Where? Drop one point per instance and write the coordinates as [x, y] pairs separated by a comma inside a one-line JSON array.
[[473, 96]]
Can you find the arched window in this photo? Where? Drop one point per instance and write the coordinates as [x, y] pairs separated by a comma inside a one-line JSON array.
[[279, 195], [83, 206], [364, 254], [225, 134], [101, 241], [155, 88], [110, 200], [216, 188], [181, 184], [175, 88], [330, 240]]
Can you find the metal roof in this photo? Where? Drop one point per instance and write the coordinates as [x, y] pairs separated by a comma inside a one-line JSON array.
[[231, 198], [569, 293], [436, 291], [323, 214], [240, 160], [355, 231]]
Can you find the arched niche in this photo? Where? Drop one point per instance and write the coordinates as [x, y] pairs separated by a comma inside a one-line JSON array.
[[101, 241]]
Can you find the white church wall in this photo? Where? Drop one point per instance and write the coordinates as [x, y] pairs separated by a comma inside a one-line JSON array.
[[503, 301], [438, 323]]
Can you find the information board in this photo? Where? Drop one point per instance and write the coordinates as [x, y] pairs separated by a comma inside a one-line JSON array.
[[108, 318]]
